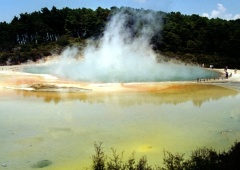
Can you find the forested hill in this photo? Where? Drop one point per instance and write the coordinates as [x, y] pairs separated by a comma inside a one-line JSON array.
[[189, 38]]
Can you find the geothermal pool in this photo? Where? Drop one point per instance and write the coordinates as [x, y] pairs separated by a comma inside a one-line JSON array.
[[62, 127], [97, 99], [127, 73]]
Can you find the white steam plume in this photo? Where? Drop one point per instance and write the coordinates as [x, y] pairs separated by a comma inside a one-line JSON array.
[[124, 54]]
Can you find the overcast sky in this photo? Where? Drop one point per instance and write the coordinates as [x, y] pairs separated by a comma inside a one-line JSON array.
[[225, 9]]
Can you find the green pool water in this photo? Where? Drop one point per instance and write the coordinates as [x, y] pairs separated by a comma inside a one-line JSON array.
[[62, 127]]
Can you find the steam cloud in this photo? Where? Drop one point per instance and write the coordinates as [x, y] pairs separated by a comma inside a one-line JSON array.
[[123, 54]]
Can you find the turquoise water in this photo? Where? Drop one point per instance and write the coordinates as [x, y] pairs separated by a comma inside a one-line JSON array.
[[151, 73]]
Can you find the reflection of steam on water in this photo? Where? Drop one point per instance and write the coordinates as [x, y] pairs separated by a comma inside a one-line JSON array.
[[123, 54]]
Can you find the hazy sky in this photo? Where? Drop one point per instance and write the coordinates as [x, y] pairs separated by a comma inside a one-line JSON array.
[[226, 9]]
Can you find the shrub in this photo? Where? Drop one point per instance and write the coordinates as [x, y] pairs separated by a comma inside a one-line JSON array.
[[200, 159]]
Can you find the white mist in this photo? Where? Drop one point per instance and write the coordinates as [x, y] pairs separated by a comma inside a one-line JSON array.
[[121, 57]]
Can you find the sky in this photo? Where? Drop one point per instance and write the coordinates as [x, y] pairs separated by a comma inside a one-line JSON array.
[[225, 9]]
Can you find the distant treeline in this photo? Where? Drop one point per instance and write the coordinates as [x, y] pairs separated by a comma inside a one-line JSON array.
[[192, 38]]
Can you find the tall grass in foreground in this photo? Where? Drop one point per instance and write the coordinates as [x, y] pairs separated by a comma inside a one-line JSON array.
[[200, 159]]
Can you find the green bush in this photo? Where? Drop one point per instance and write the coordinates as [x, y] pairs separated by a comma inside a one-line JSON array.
[[200, 159]]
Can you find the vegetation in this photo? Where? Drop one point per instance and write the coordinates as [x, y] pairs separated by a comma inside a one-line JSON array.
[[201, 159], [183, 37]]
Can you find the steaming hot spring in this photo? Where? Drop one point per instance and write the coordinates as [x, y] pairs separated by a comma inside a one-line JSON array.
[[116, 90], [103, 70], [119, 58]]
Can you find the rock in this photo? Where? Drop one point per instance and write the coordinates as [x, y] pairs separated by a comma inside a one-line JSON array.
[[42, 164]]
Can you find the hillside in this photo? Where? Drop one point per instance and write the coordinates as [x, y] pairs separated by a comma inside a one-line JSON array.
[[192, 39]]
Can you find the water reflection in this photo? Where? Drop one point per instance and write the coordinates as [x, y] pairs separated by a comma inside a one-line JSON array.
[[62, 127], [175, 94]]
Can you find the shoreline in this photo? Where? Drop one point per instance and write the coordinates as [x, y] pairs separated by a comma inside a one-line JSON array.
[[14, 78], [232, 82]]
